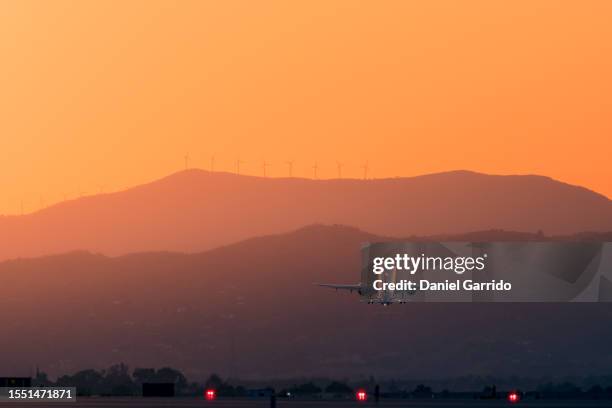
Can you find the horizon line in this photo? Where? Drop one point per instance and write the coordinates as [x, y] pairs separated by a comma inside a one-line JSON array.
[[301, 178]]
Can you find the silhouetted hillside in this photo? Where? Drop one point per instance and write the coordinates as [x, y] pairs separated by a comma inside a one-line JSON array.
[[251, 310], [196, 210]]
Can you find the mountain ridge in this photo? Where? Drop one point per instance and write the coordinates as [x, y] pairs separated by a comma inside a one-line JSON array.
[[486, 236], [195, 210], [174, 175]]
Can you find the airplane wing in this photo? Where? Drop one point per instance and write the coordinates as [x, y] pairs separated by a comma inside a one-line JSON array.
[[344, 287]]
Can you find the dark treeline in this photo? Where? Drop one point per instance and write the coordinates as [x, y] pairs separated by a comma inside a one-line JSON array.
[[119, 380]]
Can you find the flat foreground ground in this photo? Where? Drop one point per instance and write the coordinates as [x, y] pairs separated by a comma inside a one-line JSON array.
[[264, 403]]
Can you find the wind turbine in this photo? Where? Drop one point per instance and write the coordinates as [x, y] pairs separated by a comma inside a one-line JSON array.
[[186, 157], [290, 164], [265, 165], [339, 166], [315, 168], [365, 168], [238, 163], [212, 163]]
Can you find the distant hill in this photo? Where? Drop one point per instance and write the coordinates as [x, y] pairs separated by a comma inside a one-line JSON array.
[[251, 310], [195, 210]]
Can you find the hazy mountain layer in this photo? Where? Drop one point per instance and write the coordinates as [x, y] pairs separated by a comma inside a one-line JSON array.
[[251, 310], [196, 210]]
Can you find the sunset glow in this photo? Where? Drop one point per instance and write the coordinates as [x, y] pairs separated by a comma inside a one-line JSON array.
[[102, 95]]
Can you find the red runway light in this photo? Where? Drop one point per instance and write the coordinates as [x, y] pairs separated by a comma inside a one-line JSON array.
[[513, 397], [361, 395], [210, 395]]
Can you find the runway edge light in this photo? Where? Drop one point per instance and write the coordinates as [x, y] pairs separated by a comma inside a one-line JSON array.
[[514, 396], [361, 395], [210, 395]]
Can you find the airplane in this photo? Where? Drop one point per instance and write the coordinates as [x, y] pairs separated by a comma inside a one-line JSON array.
[[383, 297], [365, 288]]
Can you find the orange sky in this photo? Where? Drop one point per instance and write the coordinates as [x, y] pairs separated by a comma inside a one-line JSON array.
[[113, 93]]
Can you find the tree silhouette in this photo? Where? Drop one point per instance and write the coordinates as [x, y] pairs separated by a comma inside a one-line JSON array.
[[87, 382], [117, 381], [338, 388]]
